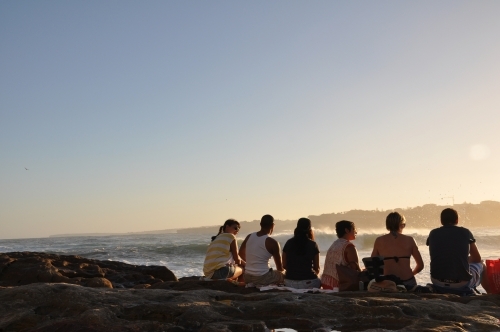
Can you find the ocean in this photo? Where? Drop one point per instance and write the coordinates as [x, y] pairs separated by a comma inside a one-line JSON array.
[[184, 253]]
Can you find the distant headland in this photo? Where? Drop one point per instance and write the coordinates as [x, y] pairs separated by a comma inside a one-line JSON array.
[[484, 214]]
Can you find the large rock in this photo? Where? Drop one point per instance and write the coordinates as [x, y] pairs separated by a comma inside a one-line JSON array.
[[66, 307], [43, 292], [22, 268]]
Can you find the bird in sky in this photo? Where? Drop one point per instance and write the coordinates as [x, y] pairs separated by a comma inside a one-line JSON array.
[[26, 169]]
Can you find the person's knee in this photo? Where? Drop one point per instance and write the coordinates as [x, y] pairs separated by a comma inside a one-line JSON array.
[[484, 279], [238, 271], [482, 272]]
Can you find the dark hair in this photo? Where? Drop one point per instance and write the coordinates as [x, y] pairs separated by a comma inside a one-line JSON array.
[[229, 222], [449, 217], [393, 220], [341, 226], [301, 234], [267, 221]]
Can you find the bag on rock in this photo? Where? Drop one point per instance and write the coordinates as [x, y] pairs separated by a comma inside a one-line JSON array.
[[349, 279], [493, 275], [384, 286]]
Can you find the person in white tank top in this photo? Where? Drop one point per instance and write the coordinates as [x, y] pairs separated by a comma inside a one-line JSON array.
[[257, 249]]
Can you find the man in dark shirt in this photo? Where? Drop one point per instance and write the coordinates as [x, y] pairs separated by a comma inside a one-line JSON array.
[[456, 265]]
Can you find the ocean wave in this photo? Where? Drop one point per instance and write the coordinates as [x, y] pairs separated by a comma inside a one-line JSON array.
[[489, 241], [187, 251]]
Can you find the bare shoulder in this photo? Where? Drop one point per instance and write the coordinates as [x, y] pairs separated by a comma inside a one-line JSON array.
[[383, 238], [245, 240], [408, 238], [271, 241]]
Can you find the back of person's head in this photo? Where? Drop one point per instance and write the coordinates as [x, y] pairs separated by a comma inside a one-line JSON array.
[[449, 217], [229, 222], [341, 226], [393, 220], [301, 234], [304, 227], [267, 221]]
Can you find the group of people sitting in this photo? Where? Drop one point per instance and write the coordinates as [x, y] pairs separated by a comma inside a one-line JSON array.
[[455, 267]]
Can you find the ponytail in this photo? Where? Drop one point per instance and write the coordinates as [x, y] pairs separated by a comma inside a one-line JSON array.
[[229, 222], [220, 231]]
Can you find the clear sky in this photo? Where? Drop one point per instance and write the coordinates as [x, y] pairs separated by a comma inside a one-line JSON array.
[[147, 115]]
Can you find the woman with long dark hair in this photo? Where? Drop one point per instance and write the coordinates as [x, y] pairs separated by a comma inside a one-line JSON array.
[[301, 258], [222, 260]]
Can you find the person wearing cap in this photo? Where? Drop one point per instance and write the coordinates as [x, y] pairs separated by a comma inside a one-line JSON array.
[[301, 258], [257, 250], [456, 265]]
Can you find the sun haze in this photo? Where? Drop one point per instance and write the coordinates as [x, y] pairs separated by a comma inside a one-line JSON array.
[[137, 116]]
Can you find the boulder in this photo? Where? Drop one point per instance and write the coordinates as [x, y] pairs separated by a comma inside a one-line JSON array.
[[22, 268], [45, 292], [68, 307]]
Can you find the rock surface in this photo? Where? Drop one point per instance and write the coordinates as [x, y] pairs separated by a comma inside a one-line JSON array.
[[22, 268], [205, 306]]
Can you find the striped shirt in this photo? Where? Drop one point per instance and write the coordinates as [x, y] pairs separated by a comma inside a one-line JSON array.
[[218, 254]]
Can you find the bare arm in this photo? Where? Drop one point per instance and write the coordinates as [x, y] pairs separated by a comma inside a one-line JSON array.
[[234, 251], [474, 255], [243, 248], [375, 251], [315, 263], [273, 247], [418, 258], [352, 257]]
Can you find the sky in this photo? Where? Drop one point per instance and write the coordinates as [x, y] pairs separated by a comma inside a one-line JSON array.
[[127, 116]]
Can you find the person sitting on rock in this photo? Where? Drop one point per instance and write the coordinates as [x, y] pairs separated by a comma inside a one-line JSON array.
[[397, 249], [341, 252], [257, 249], [222, 260], [456, 265], [301, 258]]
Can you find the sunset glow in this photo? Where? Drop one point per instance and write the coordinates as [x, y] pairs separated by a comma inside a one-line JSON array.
[[137, 116]]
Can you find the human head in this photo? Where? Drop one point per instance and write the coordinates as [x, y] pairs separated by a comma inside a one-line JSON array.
[[267, 222], [304, 228], [228, 223], [341, 226], [394, 221], [449, 217]]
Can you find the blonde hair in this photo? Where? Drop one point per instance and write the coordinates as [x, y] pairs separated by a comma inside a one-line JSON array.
[[393, 220]]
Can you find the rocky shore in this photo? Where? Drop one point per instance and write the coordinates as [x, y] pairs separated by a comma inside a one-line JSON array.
[[44, 292]]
